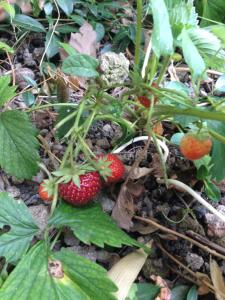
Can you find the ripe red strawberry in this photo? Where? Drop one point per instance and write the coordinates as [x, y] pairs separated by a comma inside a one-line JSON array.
[[90, 185], [145, 101], [194, 146], [43, 192], [115, 165]]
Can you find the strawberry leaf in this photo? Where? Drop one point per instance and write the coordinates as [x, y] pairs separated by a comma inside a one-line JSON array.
[[6, 92], [18, 147], [91, 225], [80, 278], [15, 242]]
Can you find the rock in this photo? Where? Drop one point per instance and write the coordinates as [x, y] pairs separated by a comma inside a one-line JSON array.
[[86, 251], [107, 203], [216, 227], [40, 215], [19, 76], [70, 239], [13, 191], [103, 143], [195, 262], [115, 68], [108, 130]]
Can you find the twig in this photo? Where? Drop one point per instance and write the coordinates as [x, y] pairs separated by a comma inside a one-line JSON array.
[[205, 241], [185, 69], [167, 230], [147, 55], [12, 68], [196, 196]]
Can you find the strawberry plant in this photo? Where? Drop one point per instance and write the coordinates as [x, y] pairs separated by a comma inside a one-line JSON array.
[[79, 174]]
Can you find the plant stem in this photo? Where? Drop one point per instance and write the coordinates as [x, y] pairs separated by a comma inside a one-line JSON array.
[[138, 34], [152, 67], [196, 196], [163, 69], [50, 105], [55, 239], [202, 114]]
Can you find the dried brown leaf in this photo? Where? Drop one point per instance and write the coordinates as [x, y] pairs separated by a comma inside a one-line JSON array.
[[85, 41], [123, 211], [165, 293], [217, 279], [139, 172]]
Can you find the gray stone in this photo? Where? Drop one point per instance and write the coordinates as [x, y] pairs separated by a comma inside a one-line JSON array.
[[114, 67], [195, 262], [40, 215]]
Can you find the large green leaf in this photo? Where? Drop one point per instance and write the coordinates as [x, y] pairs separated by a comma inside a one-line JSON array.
[[209, 47], [79, 278], [66, 6], [218, 151], [192, 55], [162, 39], [6, 92], [81, 65], [28, 23], [18, 147], [219, 31], [15, 242], [91, 225], [182, 15], [212, 10], [143, 291]]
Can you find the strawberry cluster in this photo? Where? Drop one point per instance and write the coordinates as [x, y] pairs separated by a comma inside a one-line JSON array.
[[81, 191]]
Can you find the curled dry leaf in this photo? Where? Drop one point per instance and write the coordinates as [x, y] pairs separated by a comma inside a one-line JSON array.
[[165, 292], [123, 211], [203, 280], [126, 270], [139, 172], [85, 41], [217, 279]]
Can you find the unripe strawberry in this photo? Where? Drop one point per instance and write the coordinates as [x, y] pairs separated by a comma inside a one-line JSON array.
[[90, 185], [44, 193], [194, 146]]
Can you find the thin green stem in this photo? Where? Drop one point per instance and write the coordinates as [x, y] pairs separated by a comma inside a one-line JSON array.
[[55, 239], [195, 112], [163, 69], [152, 67], [50, 105], [138, 33]]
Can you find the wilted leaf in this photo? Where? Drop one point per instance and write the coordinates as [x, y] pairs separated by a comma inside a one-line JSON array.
[[85, 41], [123, 211], [126, 270], [217, 279], [138, 172], [165, 292]]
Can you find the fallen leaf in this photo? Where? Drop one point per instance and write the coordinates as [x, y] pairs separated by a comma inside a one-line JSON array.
[[165, 292], [202, 279], [123, 211], [156, 165], [139, 172], [144, 229], [126, 270], [85, 41], [217, 279]]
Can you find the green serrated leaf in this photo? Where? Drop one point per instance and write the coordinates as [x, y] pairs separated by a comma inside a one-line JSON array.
[[179, 292], [5, 47], [18, 147], [144, 291], [211, 10], [28, 23], [66, 6], [15, 243], [80, 278], [6, 92], [162, 39], [192, 55], [218, 151], [91, 225], [212, 191], [192, 294], [69, 49], [81, 65]]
